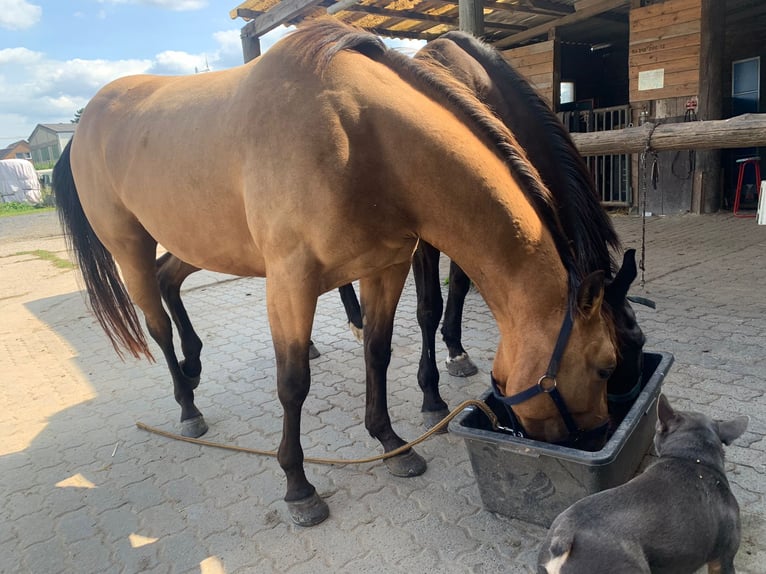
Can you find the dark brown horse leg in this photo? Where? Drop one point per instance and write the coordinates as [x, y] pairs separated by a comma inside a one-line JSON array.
[[171, 273], [140, 274], [459, 364], [380, 295], [425, 269], [291, 309], [353, 310]]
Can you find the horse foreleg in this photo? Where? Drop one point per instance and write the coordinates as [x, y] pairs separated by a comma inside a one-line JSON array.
[[171, 273], [380, 295], [425, 269], [353, 310], [291, 308], [459, 364], [140, 274]]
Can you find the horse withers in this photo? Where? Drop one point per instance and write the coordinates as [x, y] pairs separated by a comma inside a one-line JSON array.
[[390, 150]]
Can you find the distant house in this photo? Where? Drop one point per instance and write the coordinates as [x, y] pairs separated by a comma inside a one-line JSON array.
[[17, 150], [48, 141]]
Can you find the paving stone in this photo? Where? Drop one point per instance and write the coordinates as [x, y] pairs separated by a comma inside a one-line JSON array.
[[184, 505]]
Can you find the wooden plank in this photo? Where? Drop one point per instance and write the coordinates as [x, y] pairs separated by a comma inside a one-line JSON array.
[[679, 91], [643, 46], [279, 14], [665, 21], [748, 130], [531, 60], [652, 59], [673, 78], [578, 16], [537, 48], [671, 67], [655, 10], [652, 35]]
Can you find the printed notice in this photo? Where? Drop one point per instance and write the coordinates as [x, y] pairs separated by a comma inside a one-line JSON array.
[[651, 79]]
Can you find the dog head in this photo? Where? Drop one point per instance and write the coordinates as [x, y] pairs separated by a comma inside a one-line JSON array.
[[693, 434]]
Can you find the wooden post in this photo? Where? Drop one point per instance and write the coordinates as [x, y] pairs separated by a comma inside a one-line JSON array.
[[251, 47], [471, 17], [706, 190]]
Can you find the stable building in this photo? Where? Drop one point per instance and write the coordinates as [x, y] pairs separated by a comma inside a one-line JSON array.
[[602, 65]]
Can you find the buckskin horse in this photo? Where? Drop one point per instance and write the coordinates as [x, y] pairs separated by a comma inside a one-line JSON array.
[[389, 151]]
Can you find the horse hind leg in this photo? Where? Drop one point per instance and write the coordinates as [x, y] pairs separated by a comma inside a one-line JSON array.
[[171, 273], [380, 295], [459, 364], [139, 270]]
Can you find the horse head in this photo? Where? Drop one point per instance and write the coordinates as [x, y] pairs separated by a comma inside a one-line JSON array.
[[625, 383], [567, 403]]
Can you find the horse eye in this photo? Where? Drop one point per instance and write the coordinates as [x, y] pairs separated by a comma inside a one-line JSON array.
[[606, 373]]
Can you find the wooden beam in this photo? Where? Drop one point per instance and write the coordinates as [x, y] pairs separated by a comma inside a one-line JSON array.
[[747, 130], [580, 15], [403, 34], [246, 13], [547, 7], [279, 14], [707, 191], [471, 17], [422, 17]]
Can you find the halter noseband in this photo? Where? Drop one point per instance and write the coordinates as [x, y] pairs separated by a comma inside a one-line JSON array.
[[548, 385]]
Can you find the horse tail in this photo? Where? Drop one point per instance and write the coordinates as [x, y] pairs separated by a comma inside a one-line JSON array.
[[108, 296]]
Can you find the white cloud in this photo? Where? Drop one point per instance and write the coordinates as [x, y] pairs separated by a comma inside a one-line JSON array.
[[19, 56], [175, 5], [19, 14]]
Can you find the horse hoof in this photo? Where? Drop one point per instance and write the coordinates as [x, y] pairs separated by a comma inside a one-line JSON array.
[[461, 366], [193, 380], [406, 464], [313, 352], [357, 332], [308, 511], [194, 428], [432, 418]]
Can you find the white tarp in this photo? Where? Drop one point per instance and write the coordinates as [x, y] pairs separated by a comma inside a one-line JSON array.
[[18, 182]]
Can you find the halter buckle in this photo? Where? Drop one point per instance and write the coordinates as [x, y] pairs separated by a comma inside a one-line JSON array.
[[550, 387]]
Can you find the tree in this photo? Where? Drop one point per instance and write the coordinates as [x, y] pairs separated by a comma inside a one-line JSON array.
[[77, 115]]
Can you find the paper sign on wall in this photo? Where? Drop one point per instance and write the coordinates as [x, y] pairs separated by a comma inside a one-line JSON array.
[[651, 79]]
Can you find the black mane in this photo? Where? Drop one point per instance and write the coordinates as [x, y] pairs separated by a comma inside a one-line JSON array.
[[550, 148]]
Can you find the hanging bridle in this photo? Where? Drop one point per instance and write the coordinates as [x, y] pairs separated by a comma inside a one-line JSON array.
[[548, 385]]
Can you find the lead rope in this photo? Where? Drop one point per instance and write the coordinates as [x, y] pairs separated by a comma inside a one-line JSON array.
[[317, 460], [643, 176]]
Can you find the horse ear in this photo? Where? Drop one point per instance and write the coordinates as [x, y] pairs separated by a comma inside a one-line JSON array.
[[617, 290], [591, 294], [733, 429], [664, 412]]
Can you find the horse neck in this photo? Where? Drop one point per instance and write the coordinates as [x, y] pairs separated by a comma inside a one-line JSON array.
[[508, 254]]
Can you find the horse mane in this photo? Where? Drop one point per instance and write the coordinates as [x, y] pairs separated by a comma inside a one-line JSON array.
[[586, 223], [320, 40]]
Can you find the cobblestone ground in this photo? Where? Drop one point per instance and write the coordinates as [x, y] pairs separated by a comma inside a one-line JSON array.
[[83, 490]]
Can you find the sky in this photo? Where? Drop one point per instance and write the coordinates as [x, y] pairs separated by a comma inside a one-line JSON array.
[[56, 54]]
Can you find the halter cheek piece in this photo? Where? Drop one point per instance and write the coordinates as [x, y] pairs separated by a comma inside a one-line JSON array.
[[548, 385]]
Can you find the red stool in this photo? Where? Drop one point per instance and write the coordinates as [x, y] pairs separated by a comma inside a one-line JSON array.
[[744, 162]]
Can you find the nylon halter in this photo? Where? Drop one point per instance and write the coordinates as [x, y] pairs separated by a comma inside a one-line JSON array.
[[547, 384]]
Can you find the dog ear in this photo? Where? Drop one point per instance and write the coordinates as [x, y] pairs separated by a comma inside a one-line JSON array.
[[665, 412], [733, 429]]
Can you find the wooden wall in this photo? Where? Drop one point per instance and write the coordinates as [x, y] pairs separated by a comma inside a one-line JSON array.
[[665, 50], [537, 63]]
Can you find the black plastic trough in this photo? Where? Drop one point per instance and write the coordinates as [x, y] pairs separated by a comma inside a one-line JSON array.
[[534, 481]]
